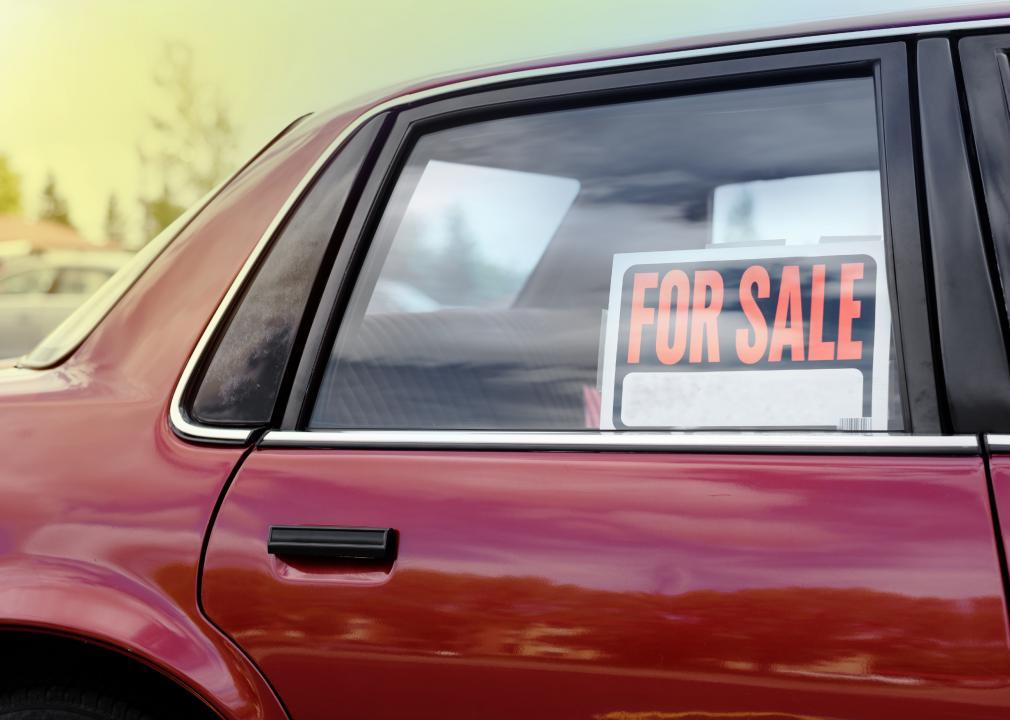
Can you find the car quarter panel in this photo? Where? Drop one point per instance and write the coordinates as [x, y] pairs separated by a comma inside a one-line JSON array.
[[103, 509], [620, 585]]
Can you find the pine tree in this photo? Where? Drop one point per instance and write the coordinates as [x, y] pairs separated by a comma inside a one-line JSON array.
[[115, 234], [460, 262], [53, 206], [159, 212], [190, 144]]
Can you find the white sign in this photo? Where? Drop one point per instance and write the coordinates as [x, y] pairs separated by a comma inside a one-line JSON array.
[[774, 337]]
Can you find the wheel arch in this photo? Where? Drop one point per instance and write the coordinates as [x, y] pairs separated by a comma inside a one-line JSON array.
[[95, 614], [35, 655]]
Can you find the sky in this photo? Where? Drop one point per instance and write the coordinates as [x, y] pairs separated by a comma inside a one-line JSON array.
[[76, 90]]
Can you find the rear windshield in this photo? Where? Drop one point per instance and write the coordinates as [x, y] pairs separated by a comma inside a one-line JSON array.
[[62, 341]]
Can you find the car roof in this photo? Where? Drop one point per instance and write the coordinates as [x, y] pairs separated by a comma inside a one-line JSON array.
[[930, 17], [740, 38]]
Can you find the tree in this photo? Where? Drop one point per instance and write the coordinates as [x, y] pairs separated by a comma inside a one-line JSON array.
[[115, 232], [10, 188], [159, 212], [460, 261], [466, 275], [53, 206], [190, 145]]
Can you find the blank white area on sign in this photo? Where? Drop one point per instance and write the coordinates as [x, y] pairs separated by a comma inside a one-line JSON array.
[[798, 210], [742, 398]]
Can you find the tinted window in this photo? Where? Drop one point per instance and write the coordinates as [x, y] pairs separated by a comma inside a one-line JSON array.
[[243, 377], [703, 261]]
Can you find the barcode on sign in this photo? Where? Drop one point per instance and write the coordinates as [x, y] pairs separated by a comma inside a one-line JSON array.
[[855, 424]]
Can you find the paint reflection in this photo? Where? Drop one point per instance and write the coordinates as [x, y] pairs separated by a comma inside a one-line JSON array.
[[825, 633]]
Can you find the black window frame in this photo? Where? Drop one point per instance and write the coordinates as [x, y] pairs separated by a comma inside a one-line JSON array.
[[970, 331], [982, 79], [886, 62]]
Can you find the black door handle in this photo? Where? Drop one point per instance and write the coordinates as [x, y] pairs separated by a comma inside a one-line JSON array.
[[335, 543]]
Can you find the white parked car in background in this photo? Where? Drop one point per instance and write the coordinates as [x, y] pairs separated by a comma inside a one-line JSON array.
[[38, 291]]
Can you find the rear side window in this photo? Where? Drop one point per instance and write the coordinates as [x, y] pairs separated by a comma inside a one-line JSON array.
[[80, 281], [27, 282], [242, 379], [714, 260]]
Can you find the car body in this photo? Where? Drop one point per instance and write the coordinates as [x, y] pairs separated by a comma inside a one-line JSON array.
[[38, 291], [232, 480]]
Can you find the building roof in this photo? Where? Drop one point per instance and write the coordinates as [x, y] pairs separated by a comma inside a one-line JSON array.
[[39, 235]]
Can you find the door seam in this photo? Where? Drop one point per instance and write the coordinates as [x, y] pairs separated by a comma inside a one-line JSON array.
[[997, 530], [254, 440]]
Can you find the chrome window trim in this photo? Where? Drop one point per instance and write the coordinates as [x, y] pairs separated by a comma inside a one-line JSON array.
[[686, 441], [187, 429], [998, 443]]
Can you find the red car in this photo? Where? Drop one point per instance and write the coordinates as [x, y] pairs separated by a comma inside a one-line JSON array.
[[669, 384]]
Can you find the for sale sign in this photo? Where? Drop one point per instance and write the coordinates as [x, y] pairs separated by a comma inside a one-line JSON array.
[[783, 337]]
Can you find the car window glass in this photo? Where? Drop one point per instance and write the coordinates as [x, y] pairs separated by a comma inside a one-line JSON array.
[[243, 376], [703, 261], [80, 281], [461, 219], [27, 282]]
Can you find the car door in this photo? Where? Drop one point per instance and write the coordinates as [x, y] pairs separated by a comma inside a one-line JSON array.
[[617, 399]]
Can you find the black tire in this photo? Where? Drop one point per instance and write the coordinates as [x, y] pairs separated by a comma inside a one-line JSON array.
[[55, 702]]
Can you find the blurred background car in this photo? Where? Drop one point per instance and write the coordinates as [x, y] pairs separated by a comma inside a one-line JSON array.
[[37, 291]]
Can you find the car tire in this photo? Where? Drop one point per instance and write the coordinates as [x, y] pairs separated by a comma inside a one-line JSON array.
[[55, 702]]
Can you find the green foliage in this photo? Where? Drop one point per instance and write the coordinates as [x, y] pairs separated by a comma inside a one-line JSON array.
[[465, 276], [456, 274], [190, 145], [53, 206], [159, 212], [10, 188]]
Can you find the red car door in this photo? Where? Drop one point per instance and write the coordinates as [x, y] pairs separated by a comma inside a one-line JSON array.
[[619, 402], [619, 585]]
